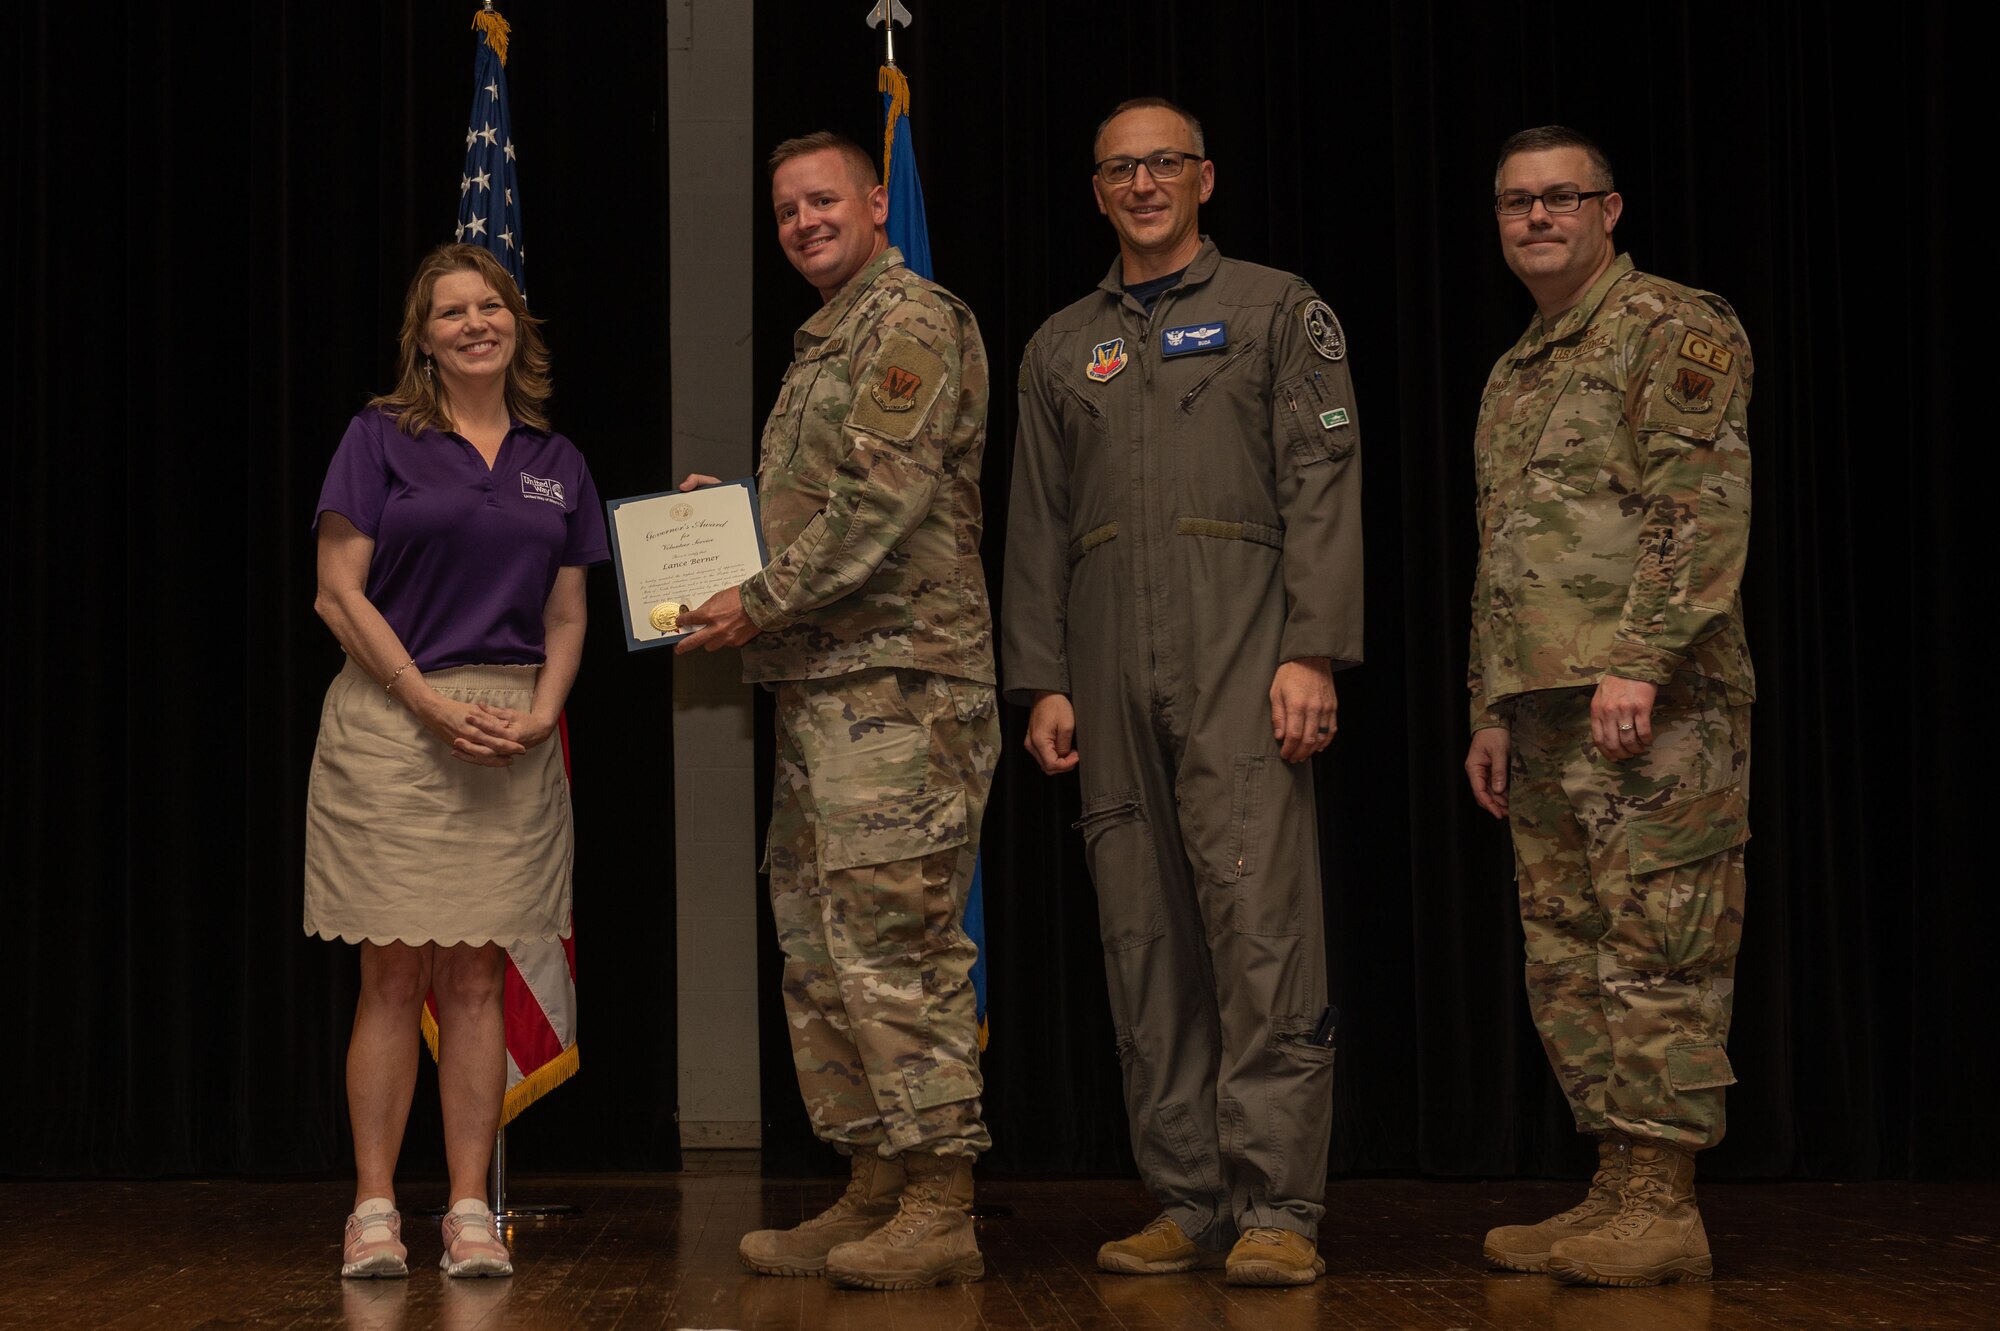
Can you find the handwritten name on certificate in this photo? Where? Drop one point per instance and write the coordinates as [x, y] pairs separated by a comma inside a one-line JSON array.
[[678, 549]]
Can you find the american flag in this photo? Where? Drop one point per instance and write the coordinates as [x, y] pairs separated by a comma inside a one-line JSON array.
[[489, 193], [540, 997]]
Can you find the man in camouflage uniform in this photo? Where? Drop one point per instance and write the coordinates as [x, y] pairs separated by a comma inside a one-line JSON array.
[[1183, 578], [871, 623], [1611, 690]]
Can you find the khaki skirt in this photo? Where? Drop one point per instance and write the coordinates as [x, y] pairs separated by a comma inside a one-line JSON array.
[[406, 843]]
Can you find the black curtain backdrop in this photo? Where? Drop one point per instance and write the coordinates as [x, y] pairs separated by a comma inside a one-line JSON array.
[[209, 218]]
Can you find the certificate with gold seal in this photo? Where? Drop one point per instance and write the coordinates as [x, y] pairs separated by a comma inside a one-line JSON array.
[[674, 550]]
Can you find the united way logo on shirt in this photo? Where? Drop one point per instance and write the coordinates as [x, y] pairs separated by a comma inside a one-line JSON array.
[[537, 487], [1190, 338]]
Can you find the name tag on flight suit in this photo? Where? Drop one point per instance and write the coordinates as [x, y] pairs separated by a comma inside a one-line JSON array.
[[1190, 338]]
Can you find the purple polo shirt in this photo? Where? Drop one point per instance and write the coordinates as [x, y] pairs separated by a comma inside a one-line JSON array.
[[464, 558]]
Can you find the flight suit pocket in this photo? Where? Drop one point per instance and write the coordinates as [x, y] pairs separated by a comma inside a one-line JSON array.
[[1317, 422], [1078, 407], [1118, 846], [1219, 376]]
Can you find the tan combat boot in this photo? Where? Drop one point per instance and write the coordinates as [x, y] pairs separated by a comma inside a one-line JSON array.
[[1160, 1249], [1526, 1247], [1657, 1235], [873, 1185], [930, 1240]]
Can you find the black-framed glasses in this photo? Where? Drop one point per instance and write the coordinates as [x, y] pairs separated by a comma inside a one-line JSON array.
[[1515, 202], [1160, 166]]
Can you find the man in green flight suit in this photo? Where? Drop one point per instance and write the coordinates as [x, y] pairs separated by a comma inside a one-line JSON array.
[[871, 624], [1611, 690], [1183, 578]]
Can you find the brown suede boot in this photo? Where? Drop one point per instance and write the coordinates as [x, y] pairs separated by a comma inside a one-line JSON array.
[[1526, 1247], [930, 1240], [873, 1185], [1657, 1235]]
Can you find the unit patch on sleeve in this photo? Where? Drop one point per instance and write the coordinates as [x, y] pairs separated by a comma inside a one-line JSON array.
[[896, 389], [1106, 359], [1194, 337], [1329, 420], [1689, 392], [1323, 329], [899, 387], [1704, 352]]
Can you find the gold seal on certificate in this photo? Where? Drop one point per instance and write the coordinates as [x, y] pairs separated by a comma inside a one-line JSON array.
[[676, 549]]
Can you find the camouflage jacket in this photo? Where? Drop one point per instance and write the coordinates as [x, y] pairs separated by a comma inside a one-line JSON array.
[[1187, 486], [1614, 496], [868, 490]]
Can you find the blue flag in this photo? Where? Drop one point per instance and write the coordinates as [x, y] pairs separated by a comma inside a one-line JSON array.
[[489, 199], [907, 229], [909, 233]]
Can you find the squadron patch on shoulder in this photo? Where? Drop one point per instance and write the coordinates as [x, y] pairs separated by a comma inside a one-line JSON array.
[[1689, 392], [1106, 359], [895, 389], [1323, 329], [1704, 352], [903, 382]]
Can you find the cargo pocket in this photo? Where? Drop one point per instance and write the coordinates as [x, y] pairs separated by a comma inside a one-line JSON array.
[[1688, 830], [1698, 1067], [1119, 848], [875, 909], [907, 827], [933, 1082]]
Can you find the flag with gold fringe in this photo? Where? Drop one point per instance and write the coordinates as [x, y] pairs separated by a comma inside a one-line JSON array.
[[910, 233], [540, 995]]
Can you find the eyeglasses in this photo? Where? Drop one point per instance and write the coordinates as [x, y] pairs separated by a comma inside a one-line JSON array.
[[1160, 166], [1516, 202]]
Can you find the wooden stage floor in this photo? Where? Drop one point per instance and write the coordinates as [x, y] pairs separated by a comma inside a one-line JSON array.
[[660, 1251]]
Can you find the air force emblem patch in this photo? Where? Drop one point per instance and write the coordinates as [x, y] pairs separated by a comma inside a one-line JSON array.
[[1194, 337], [896, 389], [1106, 359], [1323, 329]]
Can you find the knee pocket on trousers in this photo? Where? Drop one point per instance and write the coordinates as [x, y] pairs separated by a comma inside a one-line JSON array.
[[1118, 846], [1699, 1067]]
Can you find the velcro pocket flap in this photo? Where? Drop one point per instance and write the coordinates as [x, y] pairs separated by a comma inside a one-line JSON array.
[[1688, 830], [904, 828], [1697, 1067]]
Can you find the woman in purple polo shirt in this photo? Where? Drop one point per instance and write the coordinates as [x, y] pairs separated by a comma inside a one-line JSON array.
[[454, 530]]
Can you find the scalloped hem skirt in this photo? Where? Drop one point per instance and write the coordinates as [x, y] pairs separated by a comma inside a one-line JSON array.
[[405, 843]]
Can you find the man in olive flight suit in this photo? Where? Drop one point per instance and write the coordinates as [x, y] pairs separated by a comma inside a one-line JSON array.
[[871, 623], [1183, 577], [1611, 690]]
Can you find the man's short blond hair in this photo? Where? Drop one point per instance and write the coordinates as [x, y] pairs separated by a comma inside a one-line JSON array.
[[858, 161]]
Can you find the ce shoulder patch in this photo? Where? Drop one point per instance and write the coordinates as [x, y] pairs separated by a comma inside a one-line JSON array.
[[1322, 329], [1692, 388], [901, 385]]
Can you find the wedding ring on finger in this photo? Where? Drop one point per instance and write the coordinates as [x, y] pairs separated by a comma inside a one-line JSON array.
[[1624, 725]]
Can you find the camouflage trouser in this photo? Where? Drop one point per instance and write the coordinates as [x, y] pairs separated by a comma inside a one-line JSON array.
[[1631, 882], [881, 783]]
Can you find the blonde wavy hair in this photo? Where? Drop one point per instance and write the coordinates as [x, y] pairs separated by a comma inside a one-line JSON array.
[[418, 402]]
